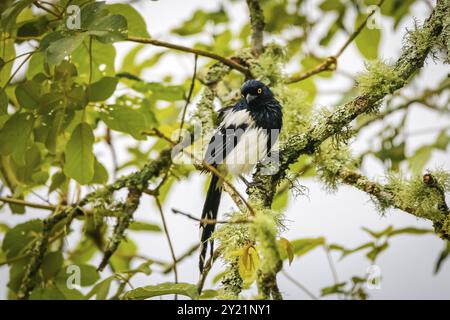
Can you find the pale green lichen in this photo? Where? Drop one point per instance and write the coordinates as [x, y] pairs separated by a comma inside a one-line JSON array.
[[267, 67], [296, 110], [330, 159], [231, 238], [380, 79], [424, 200], [264, 230]]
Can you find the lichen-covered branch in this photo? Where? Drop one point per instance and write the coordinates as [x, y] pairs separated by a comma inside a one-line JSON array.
[[257, 24], [38, 251], [380, 81], [136, 184], [422, 197]]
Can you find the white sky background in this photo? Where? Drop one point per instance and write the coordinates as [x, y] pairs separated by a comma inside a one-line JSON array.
[[406, 267]]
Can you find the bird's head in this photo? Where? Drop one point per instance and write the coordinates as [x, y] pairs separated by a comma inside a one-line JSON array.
[[255, 92]]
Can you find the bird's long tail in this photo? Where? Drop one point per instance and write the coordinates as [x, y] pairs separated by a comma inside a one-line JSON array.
[[210, 209]]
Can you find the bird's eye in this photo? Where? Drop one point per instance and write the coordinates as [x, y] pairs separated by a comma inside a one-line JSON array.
[[259, 90]]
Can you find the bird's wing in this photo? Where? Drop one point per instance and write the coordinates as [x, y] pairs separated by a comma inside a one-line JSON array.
[[224, 140]]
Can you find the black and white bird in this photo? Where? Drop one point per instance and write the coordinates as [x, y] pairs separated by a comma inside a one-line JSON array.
[[245, 136]]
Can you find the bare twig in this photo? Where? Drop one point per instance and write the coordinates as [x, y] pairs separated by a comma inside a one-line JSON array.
[[299, 285], [207, 267], [228, 62], [188, 253], [330, 63], [189, 96], [169, 241], [208, 221], [28, 204]]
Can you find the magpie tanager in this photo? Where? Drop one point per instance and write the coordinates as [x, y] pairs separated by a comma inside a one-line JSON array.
[[245, 136]]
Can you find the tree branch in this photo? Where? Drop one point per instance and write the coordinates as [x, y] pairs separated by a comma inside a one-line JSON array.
[[257, 24], [228, 62]]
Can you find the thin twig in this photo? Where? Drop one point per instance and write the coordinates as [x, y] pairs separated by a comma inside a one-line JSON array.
[[207, 267], [40, 6], [228, 62], [189, 96], [188, 253], [27, 204], [18, 68], [208, 221], [299, 285], [330, 63], [110, 143], [169, 241]]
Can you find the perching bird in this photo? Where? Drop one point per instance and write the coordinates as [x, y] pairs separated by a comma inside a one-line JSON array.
[[246, 134]]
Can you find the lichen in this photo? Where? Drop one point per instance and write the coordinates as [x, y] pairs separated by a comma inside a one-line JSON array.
[[414, 194], [380, 79], [330, 159]]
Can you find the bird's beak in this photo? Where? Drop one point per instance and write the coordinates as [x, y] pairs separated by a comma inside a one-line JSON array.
[[249, 97]]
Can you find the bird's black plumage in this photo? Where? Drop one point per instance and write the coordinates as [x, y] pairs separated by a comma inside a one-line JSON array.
[[248, 130]]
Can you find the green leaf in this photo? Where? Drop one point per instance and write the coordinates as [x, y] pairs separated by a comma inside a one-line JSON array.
[[28, 94], [18, 238], [420, 158], [379, 234], [7, 52], [303, 246], [10, 14], [442, 257], [103, 56], [144, 226], [368, 41], [101, 289], [142, 268], [410, 230], [121, 260], [100, 173], [15, 133], [63, 47], [51, 264], [3, 102], [47, 294], [109, 29], [88, 274], [338, 288], [136, 23], [102, 89], [209, 294], [69, 294], [55, 129], [373, 254], [80, 160], [160, 91], [124, 119], [57, 181], [185, 289]]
